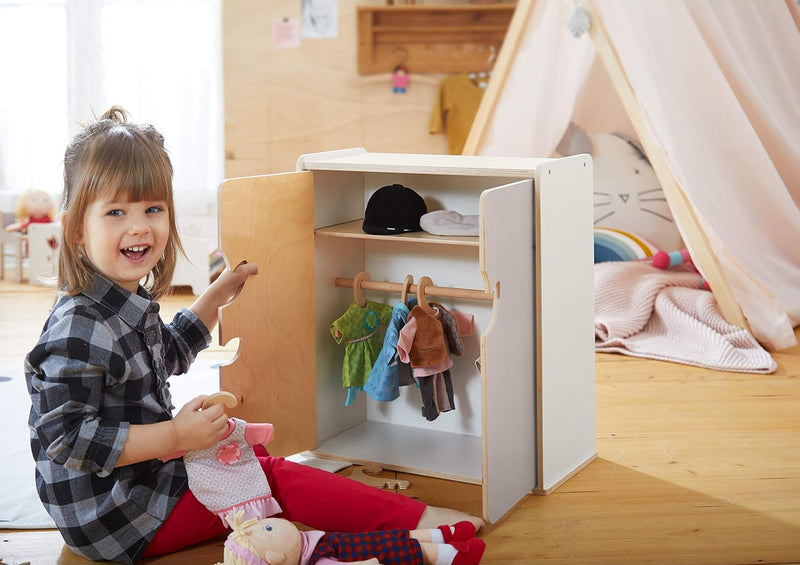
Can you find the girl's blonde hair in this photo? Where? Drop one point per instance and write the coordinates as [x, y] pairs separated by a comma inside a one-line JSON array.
[[125, 161]]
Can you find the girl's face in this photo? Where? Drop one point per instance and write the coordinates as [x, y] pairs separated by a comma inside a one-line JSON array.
[[125, 240]]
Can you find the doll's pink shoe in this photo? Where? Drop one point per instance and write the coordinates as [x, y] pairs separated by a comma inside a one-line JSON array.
[[463, 531], [469, 552]]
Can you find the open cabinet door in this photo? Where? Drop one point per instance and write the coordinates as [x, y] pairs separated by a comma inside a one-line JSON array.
[[565, 320], [508, 348], [273, 374]]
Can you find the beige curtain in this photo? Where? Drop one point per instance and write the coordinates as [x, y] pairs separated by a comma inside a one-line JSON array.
[[717, 82], [539, 93], [718, 85]]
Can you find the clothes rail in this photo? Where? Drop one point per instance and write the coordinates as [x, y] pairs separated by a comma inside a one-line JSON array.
[[450, 292]]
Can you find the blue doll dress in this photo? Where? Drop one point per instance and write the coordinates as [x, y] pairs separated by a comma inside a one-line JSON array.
[[389, 373]]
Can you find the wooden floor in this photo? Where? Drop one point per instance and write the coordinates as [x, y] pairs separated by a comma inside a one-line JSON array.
[[694, 467]]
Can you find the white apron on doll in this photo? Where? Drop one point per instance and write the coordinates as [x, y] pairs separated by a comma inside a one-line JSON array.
[[228, 476]]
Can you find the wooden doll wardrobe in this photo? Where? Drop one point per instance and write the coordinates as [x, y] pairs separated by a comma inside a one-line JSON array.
[[524, 420]]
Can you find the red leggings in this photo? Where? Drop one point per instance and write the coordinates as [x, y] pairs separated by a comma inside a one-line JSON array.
[[318, 499]]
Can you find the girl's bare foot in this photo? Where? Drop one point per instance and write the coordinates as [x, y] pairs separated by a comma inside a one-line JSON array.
[[433, 516]]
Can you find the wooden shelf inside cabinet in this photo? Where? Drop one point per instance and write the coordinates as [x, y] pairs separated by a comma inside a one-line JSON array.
[[353, 230], [431, 39]]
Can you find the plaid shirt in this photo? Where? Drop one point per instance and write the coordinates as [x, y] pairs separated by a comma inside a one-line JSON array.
[[101, 364]]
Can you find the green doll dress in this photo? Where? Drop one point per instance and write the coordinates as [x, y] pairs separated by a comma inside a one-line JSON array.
[[361, 330]]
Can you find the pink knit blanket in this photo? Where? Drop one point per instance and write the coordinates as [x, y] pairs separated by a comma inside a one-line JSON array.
[[667, 315]]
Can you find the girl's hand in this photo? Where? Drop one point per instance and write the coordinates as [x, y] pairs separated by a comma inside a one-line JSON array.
[[199, 429], [221, 292], [230, 283]]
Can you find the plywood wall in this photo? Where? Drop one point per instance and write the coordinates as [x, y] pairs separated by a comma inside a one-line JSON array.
[[283, 102]]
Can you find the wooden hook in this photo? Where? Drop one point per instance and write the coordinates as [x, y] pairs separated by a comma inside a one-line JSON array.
[[406, 285], [421, 302], [222, 397], [358, 292], [368, 476]]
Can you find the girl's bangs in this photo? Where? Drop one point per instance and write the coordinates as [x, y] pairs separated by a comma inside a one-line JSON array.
[[136, 171]]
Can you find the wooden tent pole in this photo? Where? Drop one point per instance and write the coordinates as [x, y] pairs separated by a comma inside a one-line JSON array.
[[682, 210], [795, 12], [702, 252], [497, 82]]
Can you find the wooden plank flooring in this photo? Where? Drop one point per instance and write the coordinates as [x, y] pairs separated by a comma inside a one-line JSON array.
[[694, 467]]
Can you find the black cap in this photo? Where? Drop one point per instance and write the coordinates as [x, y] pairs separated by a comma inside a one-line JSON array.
[[393, 209]]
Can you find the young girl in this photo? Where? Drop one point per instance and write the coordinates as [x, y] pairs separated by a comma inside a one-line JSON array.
[[101, 409]]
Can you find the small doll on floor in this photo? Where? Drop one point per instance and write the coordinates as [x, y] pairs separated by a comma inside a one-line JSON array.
[[33, 207], [227, 476], [275, 541]]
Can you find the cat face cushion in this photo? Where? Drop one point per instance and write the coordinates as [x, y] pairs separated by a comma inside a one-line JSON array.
[[627, 193]]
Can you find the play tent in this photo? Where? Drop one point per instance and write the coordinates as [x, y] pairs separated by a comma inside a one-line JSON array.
[[712, 90]]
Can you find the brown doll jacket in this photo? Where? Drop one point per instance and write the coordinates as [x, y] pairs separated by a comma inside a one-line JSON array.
[[429, 347]]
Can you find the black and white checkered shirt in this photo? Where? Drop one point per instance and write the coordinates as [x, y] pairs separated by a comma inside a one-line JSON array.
[[101, 364]]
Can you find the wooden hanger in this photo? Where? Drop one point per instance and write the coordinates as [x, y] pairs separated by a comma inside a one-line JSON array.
[[481, 78], [403, 55], [406, 285], [421, 302], [358, 292]]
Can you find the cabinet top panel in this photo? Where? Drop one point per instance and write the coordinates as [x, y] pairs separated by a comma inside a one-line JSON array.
[[358, 159]]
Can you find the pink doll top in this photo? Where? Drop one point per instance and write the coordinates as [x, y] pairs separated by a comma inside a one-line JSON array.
[[228, 475], [310, 540]]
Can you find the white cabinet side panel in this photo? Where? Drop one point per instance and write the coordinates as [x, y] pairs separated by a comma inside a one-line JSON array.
[[565, 256], [508, 348], [333, 258]]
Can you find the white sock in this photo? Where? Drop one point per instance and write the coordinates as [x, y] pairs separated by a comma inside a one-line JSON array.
[[446, 554], [437, 536]]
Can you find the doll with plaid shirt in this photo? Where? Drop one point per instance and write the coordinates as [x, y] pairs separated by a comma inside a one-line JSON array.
[[274, 541], [101, 412]]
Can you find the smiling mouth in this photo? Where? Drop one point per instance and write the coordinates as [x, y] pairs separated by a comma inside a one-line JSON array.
[[136, 251]]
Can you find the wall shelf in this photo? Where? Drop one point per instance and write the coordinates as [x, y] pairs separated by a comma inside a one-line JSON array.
[[431, 39]]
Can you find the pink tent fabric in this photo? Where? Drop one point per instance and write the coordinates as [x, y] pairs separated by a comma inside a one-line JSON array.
[[717, 83]]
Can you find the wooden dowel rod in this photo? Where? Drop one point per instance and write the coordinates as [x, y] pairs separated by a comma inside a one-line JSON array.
[[447, 291]]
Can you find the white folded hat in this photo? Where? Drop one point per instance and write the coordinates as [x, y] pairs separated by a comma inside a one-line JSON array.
[[449, 222]]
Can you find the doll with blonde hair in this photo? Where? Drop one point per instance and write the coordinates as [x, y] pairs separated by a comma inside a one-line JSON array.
[[275, 541], [33, 207]]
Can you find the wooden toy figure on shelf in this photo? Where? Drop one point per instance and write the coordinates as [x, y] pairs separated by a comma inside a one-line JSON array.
[[275, 541], [33, 207]]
